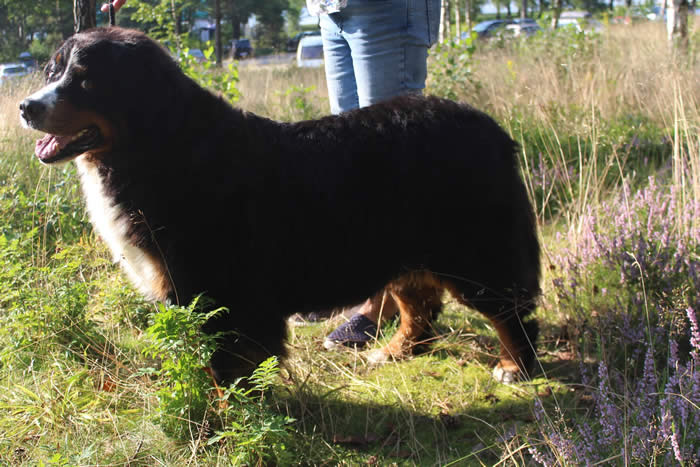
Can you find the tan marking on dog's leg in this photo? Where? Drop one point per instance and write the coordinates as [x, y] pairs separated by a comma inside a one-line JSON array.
[[223, 404], [508, 369], [414, 311]]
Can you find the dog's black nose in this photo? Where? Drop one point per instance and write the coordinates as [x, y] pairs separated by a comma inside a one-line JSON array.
[[31, 109]]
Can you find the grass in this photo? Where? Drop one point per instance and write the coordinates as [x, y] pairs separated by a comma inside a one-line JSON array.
[[87, 378]]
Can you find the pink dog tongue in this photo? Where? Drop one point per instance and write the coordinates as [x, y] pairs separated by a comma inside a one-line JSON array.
[[49, 145]]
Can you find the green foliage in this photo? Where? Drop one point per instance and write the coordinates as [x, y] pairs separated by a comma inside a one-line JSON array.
[[43, 49], [450, 68], [254, 433], [20, 19], [222, 81], [297, 103], [183, 351], [257, 434], [269, 33], [157, 17]]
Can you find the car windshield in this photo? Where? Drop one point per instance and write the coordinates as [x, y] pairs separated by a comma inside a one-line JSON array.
[[311, 52], [243, 43], [481, 27], [13, 70]]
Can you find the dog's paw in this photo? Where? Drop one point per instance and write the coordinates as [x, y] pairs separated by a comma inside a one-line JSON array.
[[377, 357], [507, 374]]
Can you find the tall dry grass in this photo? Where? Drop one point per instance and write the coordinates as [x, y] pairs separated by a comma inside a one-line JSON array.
[[582, 88], [625, 69], [267, 90]]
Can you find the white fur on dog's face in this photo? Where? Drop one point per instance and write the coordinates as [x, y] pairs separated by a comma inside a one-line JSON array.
[[66, 111], [48, 95]]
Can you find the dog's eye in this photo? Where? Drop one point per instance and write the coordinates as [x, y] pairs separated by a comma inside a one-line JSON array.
[[86, 84]]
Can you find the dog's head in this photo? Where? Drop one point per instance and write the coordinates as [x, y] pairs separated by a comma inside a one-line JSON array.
[[99, 92]]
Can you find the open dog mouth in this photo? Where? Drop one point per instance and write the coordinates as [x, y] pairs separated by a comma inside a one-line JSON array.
[[54, 148]]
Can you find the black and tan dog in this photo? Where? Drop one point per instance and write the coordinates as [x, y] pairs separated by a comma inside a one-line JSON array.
[[414, 196]]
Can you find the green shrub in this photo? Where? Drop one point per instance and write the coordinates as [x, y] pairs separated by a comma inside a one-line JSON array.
[[450, 68]]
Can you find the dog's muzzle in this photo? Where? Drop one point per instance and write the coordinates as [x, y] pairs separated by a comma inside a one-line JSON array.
[[32, 111]]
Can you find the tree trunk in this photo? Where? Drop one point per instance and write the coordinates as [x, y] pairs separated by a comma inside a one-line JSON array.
[[557, 13], [84, 15], [235, 20], [217, 32], [458, 25], [509, 13], [443, 26], [176, 18], [523, 9], [468, 16], [498, 9], [677, 24]]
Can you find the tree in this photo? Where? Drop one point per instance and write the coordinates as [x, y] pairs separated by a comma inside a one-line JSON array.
[[458, 25], [84, 14], [217, 33], [556, 14], [443, 31], [269, 31], [677, 23], [468, 15]]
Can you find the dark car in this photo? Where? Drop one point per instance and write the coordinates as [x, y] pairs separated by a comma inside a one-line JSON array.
[[28, 61], [241, 48], [293, 43], [489, 28]]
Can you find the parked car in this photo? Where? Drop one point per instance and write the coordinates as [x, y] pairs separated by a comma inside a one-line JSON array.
[[582, 21], [524, 21], [241, 48], [489, 28], [10, 71], [523, 29], [293, 43], [197, 54], [28, 61], [310, 52]]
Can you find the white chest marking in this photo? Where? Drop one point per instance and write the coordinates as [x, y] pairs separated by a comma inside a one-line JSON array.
[[143, 270]]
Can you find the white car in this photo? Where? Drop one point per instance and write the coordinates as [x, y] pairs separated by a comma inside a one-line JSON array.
[[526, 29], [582, 21], [581, 24], [310, 52], [9, 71]]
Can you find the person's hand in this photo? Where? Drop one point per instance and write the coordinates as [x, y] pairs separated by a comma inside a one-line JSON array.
[[117, 5]]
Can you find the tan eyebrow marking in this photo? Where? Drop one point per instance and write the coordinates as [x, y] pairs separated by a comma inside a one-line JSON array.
[[79, 69]]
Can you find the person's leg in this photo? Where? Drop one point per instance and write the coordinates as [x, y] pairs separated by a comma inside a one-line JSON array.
[[340, 74], [389, 41]]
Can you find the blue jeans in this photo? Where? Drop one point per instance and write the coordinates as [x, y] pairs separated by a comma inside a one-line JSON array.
[[377, 49]]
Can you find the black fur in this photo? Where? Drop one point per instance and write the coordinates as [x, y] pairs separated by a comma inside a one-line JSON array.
[[271, 218]]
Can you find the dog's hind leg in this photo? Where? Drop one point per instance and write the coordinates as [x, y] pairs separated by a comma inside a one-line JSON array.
[[506, 310], [418, 303]]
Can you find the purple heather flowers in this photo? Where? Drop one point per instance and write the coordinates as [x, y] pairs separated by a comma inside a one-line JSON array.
[[643, 250]]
